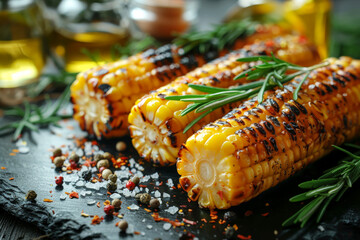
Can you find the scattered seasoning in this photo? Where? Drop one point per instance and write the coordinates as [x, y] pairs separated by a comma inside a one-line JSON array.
[[230, 216], [154, 203], [276, 232], [137, 197], [103, 163], [145, 198], [86, 175], [73, 195], [11, 178], [157, 218], [96, 220], [113, 177], [74, 157], [109, 209], [189, 221], [123, 225], [120, 146], [47, 200], [101, 169], [130, 185], [107, 156], [59, 161], [135, 180], [116, 203], [98, 157], [248, 213], [264, 214], [57, 152], [84, 214], [244, 237], [59, 180], [106, 203], [98, 204], [111, 186], [106, 173], [31, 195], [12, 154], [3, 168], [187, 236], [229, 232]]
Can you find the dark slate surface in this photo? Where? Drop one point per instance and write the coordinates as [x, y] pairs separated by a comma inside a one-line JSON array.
[[35, 171]]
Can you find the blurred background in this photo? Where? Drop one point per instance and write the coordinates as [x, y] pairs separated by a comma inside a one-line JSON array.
[[41, 37]]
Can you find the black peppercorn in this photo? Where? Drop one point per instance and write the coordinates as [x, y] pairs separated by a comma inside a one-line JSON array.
[[86, 175], [111, 186], [31, 195]]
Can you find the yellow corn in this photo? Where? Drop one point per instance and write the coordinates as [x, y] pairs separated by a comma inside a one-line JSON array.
[[254, 148], [104, 95], [156, 126]]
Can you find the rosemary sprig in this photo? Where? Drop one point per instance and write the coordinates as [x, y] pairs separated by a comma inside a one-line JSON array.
[[273, 69], [33, 116], [220, 37], [330, 186]]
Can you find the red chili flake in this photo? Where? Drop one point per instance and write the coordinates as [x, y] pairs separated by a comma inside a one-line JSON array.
[[11, 178], [107, 202], [189, 221], [179, 186], [102, 169], [148, 210], [303, 39], [161, 183], [269, 43], [53, 212], [15, 150], [264, 214], [222, 221], [73, 195], [73, 165], [94, 143], [220, 193], [244, 237], [97, 220], [12, 154], [47, 200], [142, 186], [109, 193], [204, 220], [59, 180], [3, 168], [246, 74], [213, 226], [67, 193], [130, 185], [190, 210], [98, 204], [157, 218], [267, 204], [137, 233], [183, 206], [248, 213], [235, 227], [109, 209]]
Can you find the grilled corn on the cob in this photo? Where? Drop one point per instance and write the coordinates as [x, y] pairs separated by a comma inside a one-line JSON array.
[[156, 126], [104, 95], [250, 150]]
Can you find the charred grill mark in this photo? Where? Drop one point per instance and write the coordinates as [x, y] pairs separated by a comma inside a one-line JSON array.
[[269, 127], [336, 79], [327, 87], [239, 121], [253, 113], [290, 130], [267, 147], [289, 115], [223, 123], [301, 107], [280, 97], [104, 87], [273, 143], [274, 120], [110, 108], [257, 110], [274, 104], [213, 78], [260, 129], [172, 139], [294, 125], [345, 121], [293, 109], [252, 131], [161, 95], [245, 117]]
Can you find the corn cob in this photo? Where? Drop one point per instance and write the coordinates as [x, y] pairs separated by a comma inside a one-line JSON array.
[[156, 126], [250, 150], [104, 95]]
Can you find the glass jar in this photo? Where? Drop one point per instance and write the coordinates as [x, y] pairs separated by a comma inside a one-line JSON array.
[[163, 19], [21, 46], [84, 32]]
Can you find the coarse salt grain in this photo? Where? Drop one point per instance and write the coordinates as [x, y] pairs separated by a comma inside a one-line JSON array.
[[149, 226], [157, 194], [91, 202], [172, 210], [133, 207], [115, 195], [166, 226], [166, 195], [155, 176]]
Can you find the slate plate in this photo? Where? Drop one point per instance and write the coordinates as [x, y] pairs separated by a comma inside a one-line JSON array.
[[62, 218]]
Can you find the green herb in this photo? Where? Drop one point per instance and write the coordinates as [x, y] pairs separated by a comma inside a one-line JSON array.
[[94, 56], [221, 36], [274, 71], [33, 116], [330, 186]]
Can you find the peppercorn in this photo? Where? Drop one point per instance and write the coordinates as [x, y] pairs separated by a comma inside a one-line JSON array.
[[123, 225], [107, 156], [102, 163], [187, 236], [229, 232], [109, 209], [106, 173], [116, 203], [154, 203], [145, 198], [59, 180], [230, 216], [59, 161], [113, 177], [135, 180], [98, 157], [74, 157], [31, 195], [120, 146], [130, 185], [111, 186], [57, 152], [137, 196], [86, 175]]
